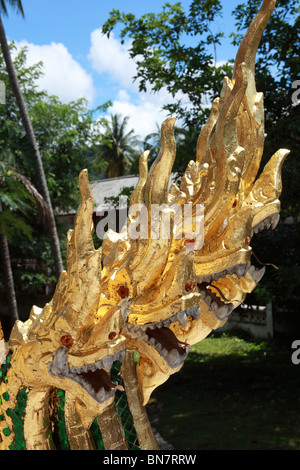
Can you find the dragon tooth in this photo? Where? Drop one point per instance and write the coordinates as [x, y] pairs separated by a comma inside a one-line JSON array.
[[167, 322], [142, 335], [129, 326], [59, 363], [258, 227], [223, 312], [251, 269], [231, 270], [205, 278], [267, 222], [247, 266], [173, 357], [257, 274], [121, 355], [164, 352], [219, 274], [101, 395], [99, 364], [181, 317], [89, 388], [194, 312], [107, 362], [274, 220], [214, 306], [197, 312], [240, 270]]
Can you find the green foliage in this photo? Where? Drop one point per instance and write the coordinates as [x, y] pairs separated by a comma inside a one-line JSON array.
[[14, 199], [234, 393], [116, 151], [189, 72], [125, 193], [67, 135]]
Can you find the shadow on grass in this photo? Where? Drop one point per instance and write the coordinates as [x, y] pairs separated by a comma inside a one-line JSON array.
[[232, 393]]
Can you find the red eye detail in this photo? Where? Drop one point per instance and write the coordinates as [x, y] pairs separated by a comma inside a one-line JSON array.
[[189, 285], [123, 292], [112, 335], [247, 240], [187, 241], [235, 203], [67, 340]]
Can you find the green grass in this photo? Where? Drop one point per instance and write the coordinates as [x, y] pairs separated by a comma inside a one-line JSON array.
[[232, 393]]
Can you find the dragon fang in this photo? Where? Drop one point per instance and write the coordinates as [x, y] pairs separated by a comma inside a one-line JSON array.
[[155, 296]]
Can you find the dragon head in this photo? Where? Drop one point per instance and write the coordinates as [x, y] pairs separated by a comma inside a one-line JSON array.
[[65, 344], [183, 283]]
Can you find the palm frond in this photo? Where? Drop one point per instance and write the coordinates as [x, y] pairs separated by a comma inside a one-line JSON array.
[[15, 4], [41, 204]]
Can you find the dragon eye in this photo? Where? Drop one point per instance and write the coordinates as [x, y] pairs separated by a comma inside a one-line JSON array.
[[112, 335], [67, 340], [188, 241], [123, 292], [189, 286]]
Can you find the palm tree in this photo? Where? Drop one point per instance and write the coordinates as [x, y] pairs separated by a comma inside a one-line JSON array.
[[54, 240], [117, 148], [8, 276], [43, 210]]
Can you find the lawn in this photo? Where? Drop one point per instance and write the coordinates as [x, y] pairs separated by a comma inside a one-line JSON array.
[[232, 393]]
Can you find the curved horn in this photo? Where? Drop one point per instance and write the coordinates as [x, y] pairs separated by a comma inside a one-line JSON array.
[[160, 171], [137, 196], [248, 47]]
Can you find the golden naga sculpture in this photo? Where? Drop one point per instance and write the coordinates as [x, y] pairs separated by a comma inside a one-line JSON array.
[[153, 294]]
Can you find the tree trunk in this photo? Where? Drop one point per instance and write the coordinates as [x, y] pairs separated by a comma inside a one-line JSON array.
[[8, 278], [142, 425], [54, 241]]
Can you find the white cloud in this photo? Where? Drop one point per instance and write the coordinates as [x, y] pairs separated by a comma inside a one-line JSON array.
[[108, 55], [144, 109], [62, 74], [144, 115]]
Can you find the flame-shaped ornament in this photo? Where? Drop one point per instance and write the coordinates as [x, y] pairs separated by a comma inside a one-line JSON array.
[[157, 287]]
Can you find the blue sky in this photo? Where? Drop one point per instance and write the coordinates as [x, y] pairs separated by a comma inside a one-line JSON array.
[[80, 62]]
